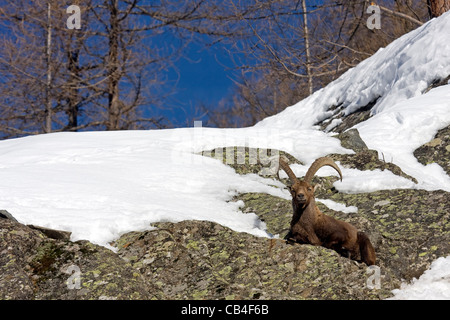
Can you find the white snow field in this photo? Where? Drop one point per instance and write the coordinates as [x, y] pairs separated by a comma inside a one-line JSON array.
[[99, 185]]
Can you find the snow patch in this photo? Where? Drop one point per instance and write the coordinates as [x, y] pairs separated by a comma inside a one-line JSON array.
[[433, 284]]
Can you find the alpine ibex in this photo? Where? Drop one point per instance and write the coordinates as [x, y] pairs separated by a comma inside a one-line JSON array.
[[309, 225]]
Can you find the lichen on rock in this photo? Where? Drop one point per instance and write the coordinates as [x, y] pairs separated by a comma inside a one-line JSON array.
[[204, 260], [34, 266]]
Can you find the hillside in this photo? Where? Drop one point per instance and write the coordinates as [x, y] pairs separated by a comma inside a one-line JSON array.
[[146, 205]]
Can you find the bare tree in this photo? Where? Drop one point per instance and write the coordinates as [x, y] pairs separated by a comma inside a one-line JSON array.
[[108, 75], [39, 59], [307, 48], [299, 44], [121, 70], [112, 74], [48, 86], [28, 67]]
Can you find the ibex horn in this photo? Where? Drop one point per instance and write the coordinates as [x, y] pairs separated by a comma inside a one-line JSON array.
[[283, 164], [319, 163]]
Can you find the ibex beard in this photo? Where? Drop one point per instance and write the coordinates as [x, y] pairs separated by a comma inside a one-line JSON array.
[[310, 226]]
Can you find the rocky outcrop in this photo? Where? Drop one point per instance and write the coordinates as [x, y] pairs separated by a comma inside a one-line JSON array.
[[35, 266], [204, 260], [436, 151], [185, 260]]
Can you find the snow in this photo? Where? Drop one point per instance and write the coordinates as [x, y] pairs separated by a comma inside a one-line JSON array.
[[400, 129], [99, 185], [433, 284], [396, 73], [338, 206]]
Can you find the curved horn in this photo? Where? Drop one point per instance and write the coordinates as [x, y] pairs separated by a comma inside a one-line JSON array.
[[288, 170], [319, 163]]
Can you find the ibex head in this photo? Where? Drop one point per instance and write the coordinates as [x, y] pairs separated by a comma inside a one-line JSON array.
[[302, 191]]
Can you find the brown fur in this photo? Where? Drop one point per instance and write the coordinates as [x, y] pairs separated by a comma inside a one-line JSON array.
[[309, 225]]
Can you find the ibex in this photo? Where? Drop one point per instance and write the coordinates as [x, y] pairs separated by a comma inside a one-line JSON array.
[[309, 225]]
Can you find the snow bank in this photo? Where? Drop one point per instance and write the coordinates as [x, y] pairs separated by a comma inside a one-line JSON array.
[[356, 181], [400, 129], [100, 185]]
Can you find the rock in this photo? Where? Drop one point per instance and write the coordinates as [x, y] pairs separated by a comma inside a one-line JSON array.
[[347, 121], [6, 215], [409, 228], [351, 139], [437, 83], [204, 260], [250, 160], [436, 151], [269, 208], [434, 143], [409, 231], [368, 160], [52, 233], [381, 203], [34, 266]]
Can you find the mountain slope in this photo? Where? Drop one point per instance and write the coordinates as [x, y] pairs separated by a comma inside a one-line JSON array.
[[103, 185]]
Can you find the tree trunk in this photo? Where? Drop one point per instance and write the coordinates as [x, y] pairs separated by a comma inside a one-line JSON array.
[[48, 102], [438, 7], [74, 96], [308, 54], [113, 69], [74, 45]]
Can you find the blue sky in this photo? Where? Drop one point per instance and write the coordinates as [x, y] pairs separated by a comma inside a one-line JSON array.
[[204, 77]]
